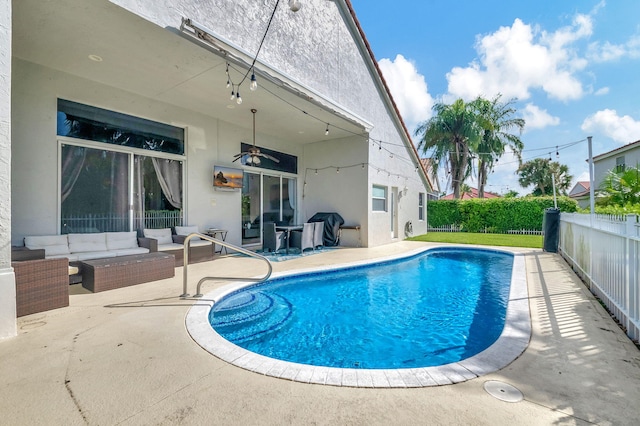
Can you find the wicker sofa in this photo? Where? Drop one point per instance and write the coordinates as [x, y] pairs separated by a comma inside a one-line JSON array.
[[171, 241], [78, 247]]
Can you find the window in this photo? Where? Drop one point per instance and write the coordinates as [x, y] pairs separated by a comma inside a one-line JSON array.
[[96, 124], [620, 164], [379, 198], [421, 206], [105, 187], [96, 194]]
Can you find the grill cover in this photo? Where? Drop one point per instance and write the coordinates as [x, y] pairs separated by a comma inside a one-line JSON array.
[[332, 222]]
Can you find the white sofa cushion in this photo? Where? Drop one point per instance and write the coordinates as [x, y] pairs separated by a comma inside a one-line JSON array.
[[82, 243], [172, 246], [89, 255], [186, 230], [53, 245], [71, 257], [122, 240], [128, 251], [162, 235]]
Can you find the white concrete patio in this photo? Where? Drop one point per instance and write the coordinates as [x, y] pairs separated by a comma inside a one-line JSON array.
[[124, 357]]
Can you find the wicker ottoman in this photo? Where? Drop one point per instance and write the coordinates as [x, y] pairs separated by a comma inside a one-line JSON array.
[[41, 285], [122, 271]]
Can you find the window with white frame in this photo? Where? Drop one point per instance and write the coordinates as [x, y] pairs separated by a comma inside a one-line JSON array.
[[379, 198], [421, 206], [118, 172]]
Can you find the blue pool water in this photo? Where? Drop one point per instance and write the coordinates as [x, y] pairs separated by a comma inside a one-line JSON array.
[[435, 308]]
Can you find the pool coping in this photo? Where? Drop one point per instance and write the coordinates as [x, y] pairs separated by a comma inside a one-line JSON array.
[[512, 342]]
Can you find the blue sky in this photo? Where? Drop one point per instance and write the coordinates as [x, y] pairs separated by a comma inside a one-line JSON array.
[[573, 66]]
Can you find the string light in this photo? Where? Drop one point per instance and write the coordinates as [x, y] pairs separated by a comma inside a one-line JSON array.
[[338, 169], [254, 83], [238, 97], [296, 6], [326, 132]]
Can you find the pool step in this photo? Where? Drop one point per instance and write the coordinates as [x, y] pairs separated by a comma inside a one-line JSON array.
[[250, 317]]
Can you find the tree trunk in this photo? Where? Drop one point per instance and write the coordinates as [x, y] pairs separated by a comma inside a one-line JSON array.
[[482, 178]]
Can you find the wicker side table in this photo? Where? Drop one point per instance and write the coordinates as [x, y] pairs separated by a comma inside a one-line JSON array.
[[41, 285], [122, 271]]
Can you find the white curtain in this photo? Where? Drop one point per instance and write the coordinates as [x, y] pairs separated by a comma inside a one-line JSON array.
[[72, 162], [291, 184], [169, 174]]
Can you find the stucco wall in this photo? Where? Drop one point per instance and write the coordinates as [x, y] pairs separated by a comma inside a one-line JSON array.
[[7, 283], [35, 150], [316, 48]]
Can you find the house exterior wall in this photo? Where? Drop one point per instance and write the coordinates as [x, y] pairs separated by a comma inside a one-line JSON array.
[[607, 162], [314, 46], [317, 47], [7, 278], [35, 149]]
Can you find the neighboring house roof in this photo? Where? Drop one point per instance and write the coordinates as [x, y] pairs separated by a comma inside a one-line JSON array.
[[472, 194], [580, 189], [619, 150]]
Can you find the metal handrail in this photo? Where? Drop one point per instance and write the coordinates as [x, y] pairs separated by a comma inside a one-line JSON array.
[[187, 244]]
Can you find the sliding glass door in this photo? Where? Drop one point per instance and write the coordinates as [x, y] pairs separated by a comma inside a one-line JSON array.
[[94, 190], [266, 198], [103, 190]]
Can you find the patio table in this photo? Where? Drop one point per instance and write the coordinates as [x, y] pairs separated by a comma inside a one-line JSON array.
[[288, 229]]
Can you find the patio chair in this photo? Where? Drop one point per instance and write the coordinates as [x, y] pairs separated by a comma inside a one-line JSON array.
[[272, 240], [318, 234], [303, 239]]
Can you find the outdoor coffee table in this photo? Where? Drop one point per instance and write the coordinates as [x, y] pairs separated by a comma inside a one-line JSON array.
[[122, 271]]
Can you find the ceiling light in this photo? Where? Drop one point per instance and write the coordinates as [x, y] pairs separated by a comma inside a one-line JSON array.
[[294, 5]]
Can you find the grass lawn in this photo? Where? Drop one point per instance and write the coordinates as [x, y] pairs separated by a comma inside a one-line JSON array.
[[508, 240]]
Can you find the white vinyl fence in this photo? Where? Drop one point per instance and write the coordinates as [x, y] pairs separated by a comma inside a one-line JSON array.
[[604, 251]]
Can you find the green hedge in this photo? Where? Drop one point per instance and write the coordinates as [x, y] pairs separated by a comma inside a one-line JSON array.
[[497, 215]]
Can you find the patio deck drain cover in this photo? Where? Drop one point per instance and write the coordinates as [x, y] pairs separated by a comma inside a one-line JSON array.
[[503, 391]]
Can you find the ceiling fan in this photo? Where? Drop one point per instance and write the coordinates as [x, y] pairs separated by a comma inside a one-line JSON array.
[[254, 152]]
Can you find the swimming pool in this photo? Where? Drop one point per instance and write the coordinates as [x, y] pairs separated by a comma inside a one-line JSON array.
[[452, 357]]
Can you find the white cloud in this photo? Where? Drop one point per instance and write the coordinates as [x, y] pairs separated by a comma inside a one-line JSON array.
[[409, 90], [514, 60], [536, 118], [601, 91], [621, 129], [607, 52]]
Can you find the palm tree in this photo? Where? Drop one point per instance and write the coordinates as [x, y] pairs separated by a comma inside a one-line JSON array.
[[496, 119], [621, 188], [450, 136], [539, 172]]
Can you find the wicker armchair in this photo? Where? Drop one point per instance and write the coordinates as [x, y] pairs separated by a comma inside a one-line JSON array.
[[41, 285]]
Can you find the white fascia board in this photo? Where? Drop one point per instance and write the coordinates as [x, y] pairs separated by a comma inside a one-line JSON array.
[[382, 88]]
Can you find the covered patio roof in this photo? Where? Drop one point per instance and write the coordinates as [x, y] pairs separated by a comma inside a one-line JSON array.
[[105, 43]]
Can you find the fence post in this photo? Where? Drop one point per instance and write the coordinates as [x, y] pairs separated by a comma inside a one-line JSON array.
[[632, 272]]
